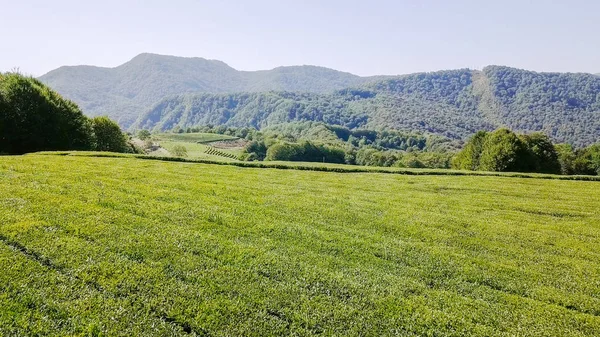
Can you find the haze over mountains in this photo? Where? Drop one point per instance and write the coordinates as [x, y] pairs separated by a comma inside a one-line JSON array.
[[125, 91], [161, 92]]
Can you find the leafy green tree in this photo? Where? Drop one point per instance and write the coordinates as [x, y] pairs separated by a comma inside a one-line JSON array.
[[411, 160], [258, 147], [588, 160], [283, 152], [144, 134], [504, 151], [593, 152], [108, 135], [305, 151], [35, 118], [468, 158], [566, 158], [543, 157]]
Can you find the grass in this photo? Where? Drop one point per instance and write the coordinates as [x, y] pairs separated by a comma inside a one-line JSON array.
[[194, 150], [122, 246], [325, 167], [197, 145], [193, 137]]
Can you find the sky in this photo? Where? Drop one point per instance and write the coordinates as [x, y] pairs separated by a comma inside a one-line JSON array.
[[362, 37]]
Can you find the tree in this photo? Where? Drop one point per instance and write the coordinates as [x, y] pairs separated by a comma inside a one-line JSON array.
[[35, 118], [258, 147], [144, 134], [566, 158], [588, 160], [503, 151], [593, 153], [108, 135], [179, 151], [468, 158], [543, 157], [305, 151], [282, 151]]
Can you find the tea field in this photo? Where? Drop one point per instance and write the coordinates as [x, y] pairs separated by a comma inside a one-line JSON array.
[[198, 145], [103, 246]]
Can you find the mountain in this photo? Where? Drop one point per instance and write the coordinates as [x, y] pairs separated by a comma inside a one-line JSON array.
[[126, 91], [161, 92], [454, 103]]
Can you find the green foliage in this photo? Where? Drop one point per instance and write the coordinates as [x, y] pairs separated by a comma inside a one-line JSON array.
[[144, 134], [305, 151], [204, 250], [504, 151], [564, 106], [454, 104], [134, 87], [542, 153], [179, 151], [108, 135], [195, 137], [468, 158], [256, 149], [588, 160], [35, 118], [566, 158]]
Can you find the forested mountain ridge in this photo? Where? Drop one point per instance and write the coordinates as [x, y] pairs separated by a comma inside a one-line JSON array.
[[454, 103], [125, 91], [162, 92]]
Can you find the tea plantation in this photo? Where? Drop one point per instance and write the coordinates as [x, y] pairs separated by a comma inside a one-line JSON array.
[[100, 246]]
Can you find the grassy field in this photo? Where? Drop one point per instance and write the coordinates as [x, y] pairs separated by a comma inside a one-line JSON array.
[[196, 150], [193, 137], [123, 246], [197, 145]]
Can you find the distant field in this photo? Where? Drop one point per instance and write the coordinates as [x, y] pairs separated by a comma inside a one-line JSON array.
[[130, 247], [196, 151], [193, 137], [196, 144]]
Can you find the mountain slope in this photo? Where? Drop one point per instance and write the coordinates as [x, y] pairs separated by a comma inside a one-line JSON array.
[[453, 103], [127, 90], [160, 92]]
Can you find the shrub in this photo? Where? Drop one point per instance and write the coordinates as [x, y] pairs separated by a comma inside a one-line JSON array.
[[179, 151], [108, 135]]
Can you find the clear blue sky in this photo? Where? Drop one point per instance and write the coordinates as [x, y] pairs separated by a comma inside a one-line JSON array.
[[362, 37]]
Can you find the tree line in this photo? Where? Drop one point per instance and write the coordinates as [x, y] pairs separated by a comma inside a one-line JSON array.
[[505, 151], [502, 150], [35, 118]]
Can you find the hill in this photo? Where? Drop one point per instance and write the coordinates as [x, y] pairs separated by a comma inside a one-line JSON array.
[[125, 91], [454, 104], [161, 92], [204, 250]]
